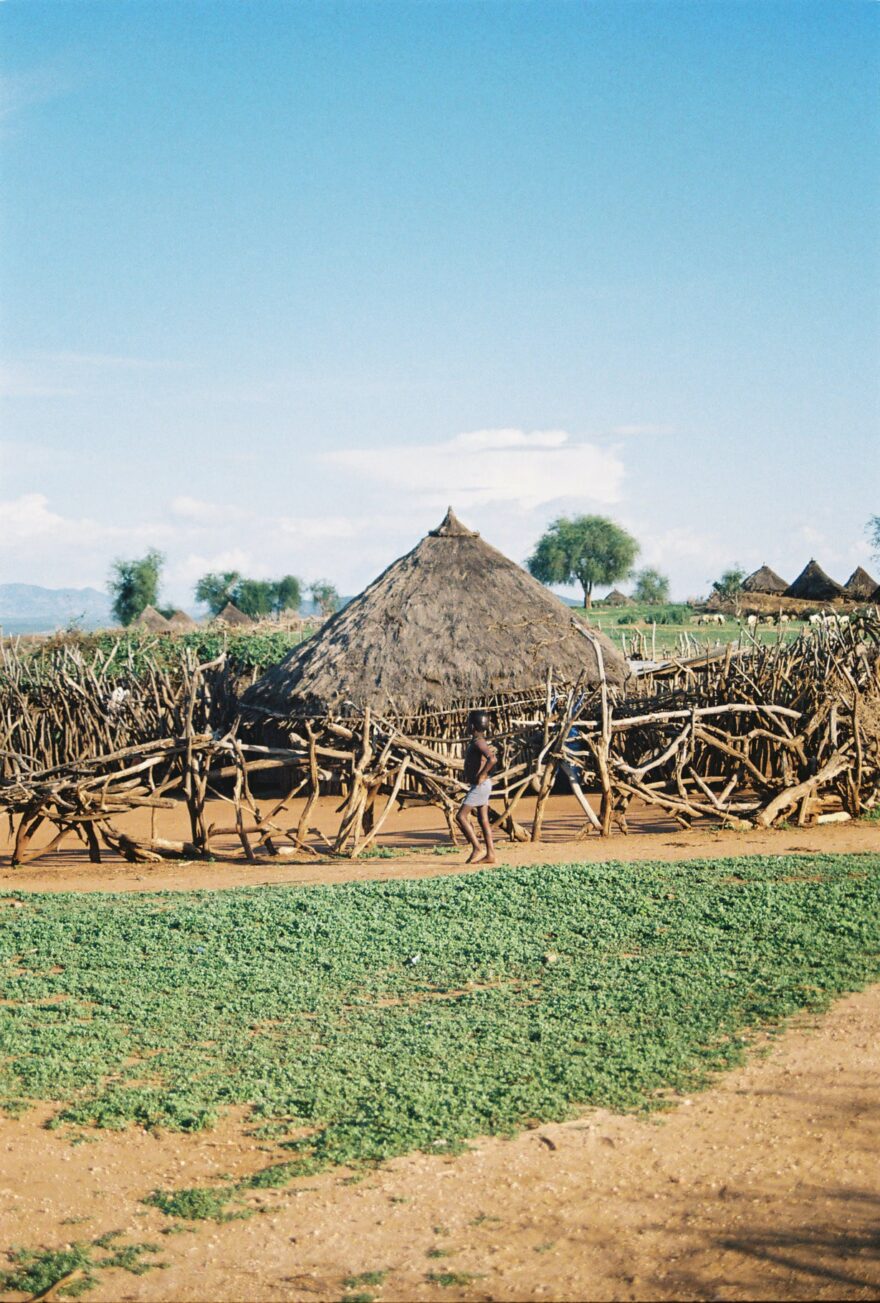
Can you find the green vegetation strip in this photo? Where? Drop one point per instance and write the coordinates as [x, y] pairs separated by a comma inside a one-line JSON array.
[[71, 1271], [368, 1019]]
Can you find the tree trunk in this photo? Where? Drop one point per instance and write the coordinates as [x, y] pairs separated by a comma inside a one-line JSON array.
[[588, 597]]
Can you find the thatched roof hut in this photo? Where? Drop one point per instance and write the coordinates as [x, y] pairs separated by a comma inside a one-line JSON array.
[[814, 585], [152, 620], [764, 580], [232, 615], [180, 621], [617, 598], [453, 623], [861, 586]]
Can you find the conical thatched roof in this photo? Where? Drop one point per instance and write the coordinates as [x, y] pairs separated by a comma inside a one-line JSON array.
[[813, 584], [153, 620], [860, 585], [451, 623], [617, 598], [764, 580], [232, 615], [180, 620]]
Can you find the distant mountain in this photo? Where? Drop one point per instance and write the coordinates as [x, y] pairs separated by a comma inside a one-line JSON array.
[[27, 608]]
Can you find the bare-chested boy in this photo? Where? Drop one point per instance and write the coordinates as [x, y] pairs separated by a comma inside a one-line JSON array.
[[479, 761]]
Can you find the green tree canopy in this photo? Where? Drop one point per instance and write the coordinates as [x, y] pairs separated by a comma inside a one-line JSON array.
[[325, 596], [256, 597], [134, 585], [651, 586], [588, 550], [215, 590], [730, 583], [874, 535], [288, 594]]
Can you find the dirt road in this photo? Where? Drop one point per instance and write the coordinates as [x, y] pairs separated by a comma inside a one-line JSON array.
[[416, 842]]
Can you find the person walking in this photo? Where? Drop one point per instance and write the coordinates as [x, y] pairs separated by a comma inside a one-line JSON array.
[[479, 762]]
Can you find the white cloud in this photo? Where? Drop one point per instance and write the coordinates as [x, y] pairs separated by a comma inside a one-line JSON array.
[[483, 467], [27, 518], [197, 512]]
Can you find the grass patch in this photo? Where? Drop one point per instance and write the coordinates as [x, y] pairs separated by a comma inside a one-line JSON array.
[[365, 1278], [73, 1270], [197, 1204], [448, 1278], [301, 1004]]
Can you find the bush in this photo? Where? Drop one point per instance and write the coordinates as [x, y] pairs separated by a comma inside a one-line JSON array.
[[673, 615]]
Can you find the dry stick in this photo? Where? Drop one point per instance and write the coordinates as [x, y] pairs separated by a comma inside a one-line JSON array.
[[785, 800], [239, 821], [351, 821], [602, 750], [358, 848], [552, 765], [314, 788], [506, 821]]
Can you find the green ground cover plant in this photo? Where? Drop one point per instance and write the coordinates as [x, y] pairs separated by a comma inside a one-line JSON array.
[[135, 648], [71, 1271], [370, 1019]]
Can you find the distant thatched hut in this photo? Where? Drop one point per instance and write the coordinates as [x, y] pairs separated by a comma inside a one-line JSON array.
[[813, 585], [152, 620], [617, 598], [180, 622], [764, 580], [860, 586], [452, 625], [232, 615]]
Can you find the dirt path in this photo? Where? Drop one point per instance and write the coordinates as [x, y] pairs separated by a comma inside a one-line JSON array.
[[418, 845], [764, 1187]]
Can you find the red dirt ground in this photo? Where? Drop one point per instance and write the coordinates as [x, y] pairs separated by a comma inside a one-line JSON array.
[[420, 845]]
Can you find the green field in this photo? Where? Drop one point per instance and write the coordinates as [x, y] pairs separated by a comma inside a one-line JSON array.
[[667, 623], [368, 1019]]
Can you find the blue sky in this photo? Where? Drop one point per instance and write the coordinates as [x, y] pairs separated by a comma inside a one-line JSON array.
[[282, 280]]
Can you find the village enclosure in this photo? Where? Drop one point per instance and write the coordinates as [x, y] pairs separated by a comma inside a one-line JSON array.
[[372, 709]]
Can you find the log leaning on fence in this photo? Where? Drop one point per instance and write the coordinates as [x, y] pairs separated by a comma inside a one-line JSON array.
[[753, 737]]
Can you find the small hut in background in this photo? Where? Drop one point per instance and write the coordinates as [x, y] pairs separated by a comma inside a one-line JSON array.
[[152, 620], [617, 598], [813, 585], [180, 622], [764, 580], [232, 615], [860, 586]]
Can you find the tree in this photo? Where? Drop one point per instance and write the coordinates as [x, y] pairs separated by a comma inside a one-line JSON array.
[[651, 586], [134, 585], [325, 596], [216, 590], [588, 549], [256, 597], [730, 583], [873, 528], [288, 594]]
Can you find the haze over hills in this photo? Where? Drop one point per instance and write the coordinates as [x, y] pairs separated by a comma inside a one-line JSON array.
[[28, 608]]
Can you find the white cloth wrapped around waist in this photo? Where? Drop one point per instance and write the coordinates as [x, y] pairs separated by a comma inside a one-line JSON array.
[[480, 793]]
